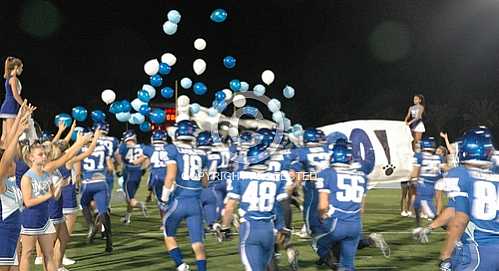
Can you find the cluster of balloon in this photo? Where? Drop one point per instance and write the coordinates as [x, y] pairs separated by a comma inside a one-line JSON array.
[[170, 26], [229, 62], [218, 15], [79, 113], [63, 118]]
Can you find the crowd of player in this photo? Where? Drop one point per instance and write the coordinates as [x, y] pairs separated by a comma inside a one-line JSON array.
[[248, 184]]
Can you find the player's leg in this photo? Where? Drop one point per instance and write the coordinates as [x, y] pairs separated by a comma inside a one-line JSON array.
[[194, 221], [210, 206], [250, 249], [467, 257], [101, 198], [173, 216], [158, 191], [349, 236], [85, 202], [150, 188], [133, 184], [487, 262]]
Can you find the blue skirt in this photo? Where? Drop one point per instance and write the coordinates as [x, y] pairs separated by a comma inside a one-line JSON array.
[[9, 108], [10, 230]]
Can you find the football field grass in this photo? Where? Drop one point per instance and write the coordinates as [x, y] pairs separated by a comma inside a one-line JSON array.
[[139, 246]]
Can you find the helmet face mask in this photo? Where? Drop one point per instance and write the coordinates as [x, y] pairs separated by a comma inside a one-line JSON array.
[[428, 144], [204, 140], [342, 155]]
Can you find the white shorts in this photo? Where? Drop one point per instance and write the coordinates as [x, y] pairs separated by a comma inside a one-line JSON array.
[[419, 128]]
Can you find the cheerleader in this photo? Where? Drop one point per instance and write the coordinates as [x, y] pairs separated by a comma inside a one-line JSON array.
[[37, 190], [10, 198], [414, 119], [13, 68]]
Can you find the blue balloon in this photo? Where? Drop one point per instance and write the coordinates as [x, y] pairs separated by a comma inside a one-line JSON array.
[[156, 80], [164, 68], [186, 83], [116, 107], [259, 90], [137, 118], [143, 95], [174, 16], [244, 86], [98, 116], [218, 15], [288, 92], [250, 111], [63, 117], [145, 127], [220, 105], [229, 62], [167, 92], [200, 88], [125, 106], [79, 113], [235, 85], [169, 28], [157, 116], [144, 109], [219, 96], [195, 108], [123, 116]]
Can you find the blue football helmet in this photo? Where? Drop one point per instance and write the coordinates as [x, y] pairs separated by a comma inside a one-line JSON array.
[[158, 136], [476, 146], [321, 137], [129, 135], [257, 155], [104, 127], [246, 138], [428, 144], [310, 136], [204, 140], [185, 130], [46, 136], [342, 154]]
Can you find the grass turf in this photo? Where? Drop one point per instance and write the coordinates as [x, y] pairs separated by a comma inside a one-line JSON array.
[[139, 246]]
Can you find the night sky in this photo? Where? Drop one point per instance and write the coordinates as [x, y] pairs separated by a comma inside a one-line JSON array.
[[346, 59]]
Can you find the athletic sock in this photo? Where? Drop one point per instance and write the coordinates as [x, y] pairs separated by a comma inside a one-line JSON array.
[[201, 264], [176, 256]]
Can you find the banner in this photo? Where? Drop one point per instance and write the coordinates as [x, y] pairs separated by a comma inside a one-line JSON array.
[[383, 147]]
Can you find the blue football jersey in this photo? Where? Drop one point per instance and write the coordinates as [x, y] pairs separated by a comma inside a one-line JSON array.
[[346, 188], [111, 143], [191, 165], [214, 159], [257, 193], [313, 159], [159, 156], [475, 192], [131, 153], [430, 166], [95, 165]]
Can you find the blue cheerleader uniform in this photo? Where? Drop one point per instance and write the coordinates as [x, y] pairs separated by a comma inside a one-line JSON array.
[[36, 219], [10, 222], [56, 205], [9, 106]]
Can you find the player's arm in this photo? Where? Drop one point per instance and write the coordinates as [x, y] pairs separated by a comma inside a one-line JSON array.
[[67, 138], [110, 164], [322, 186], [169, 182], [457, 225], [229, 209], [60, 130]]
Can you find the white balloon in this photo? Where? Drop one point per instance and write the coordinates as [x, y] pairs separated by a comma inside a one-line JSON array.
[[182, 117], [183, 101], [136, 103], [287, 123], [228, 94], [186, 83], [278, 116], [169, 59], [239, 100], [274, 105], [268, 77], [151, 67], [150, 89], [199, 66], [200, 44], [183, 109], [108, 96], [233, 131], [212, 112]]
